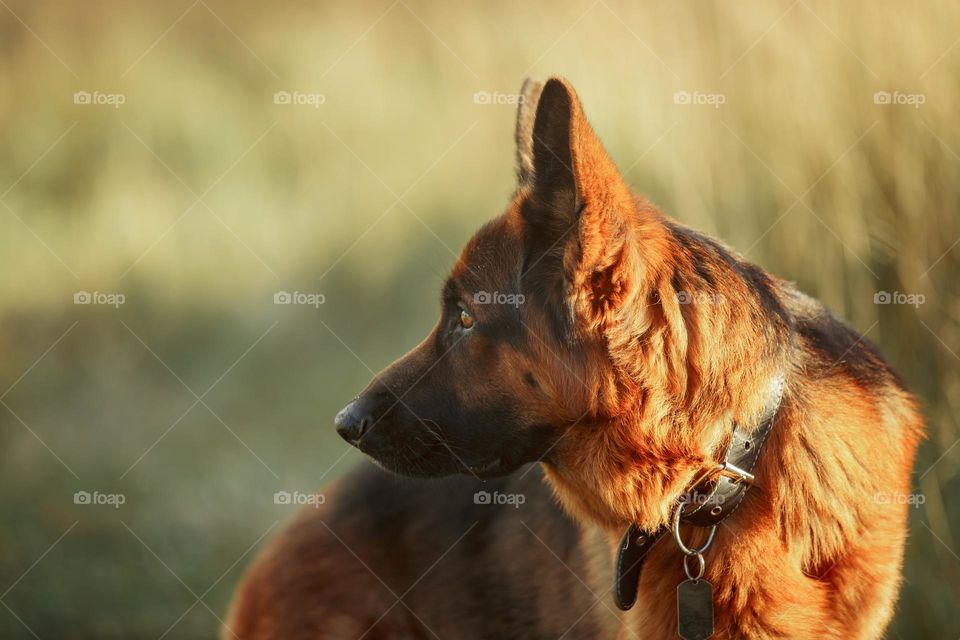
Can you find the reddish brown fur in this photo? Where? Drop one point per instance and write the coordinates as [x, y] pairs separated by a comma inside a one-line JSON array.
[[650, 395]]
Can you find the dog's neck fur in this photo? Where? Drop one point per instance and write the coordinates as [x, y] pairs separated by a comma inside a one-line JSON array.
[[675, 396]]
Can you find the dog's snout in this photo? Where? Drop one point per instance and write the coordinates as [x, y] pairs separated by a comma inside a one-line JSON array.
[[355, 419]]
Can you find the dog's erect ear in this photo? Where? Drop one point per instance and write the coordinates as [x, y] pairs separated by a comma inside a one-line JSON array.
[[526, 113], [577, 204]]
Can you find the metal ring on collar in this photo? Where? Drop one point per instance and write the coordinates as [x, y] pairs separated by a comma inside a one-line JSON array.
[[701, 566], [676, 534]]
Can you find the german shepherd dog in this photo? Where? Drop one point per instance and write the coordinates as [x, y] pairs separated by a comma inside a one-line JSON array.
[[592, 362]]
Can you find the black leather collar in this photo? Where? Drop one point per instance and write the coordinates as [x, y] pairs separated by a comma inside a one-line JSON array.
[[715, 496]]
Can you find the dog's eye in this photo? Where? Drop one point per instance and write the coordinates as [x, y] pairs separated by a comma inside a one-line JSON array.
[[466, 320]]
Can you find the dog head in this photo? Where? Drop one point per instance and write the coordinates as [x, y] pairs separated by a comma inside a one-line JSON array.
[[518, 354]]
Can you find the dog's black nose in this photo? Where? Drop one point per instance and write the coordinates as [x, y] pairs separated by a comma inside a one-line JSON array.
[[354, 420]]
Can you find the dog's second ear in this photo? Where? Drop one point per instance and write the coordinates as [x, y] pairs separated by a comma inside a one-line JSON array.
[[526, 114], [577, 204]]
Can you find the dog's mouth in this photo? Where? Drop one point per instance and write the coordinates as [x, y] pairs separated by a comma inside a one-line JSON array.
[[421, 468], [487, 468], [434, 461]]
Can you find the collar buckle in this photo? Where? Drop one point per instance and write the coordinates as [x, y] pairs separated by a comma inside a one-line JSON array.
[[735, 473]]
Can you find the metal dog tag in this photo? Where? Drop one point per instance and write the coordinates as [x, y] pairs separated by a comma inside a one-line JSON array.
[[695, 609]]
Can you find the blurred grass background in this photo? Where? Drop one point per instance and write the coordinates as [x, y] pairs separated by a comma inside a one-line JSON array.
[[199, 197]]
